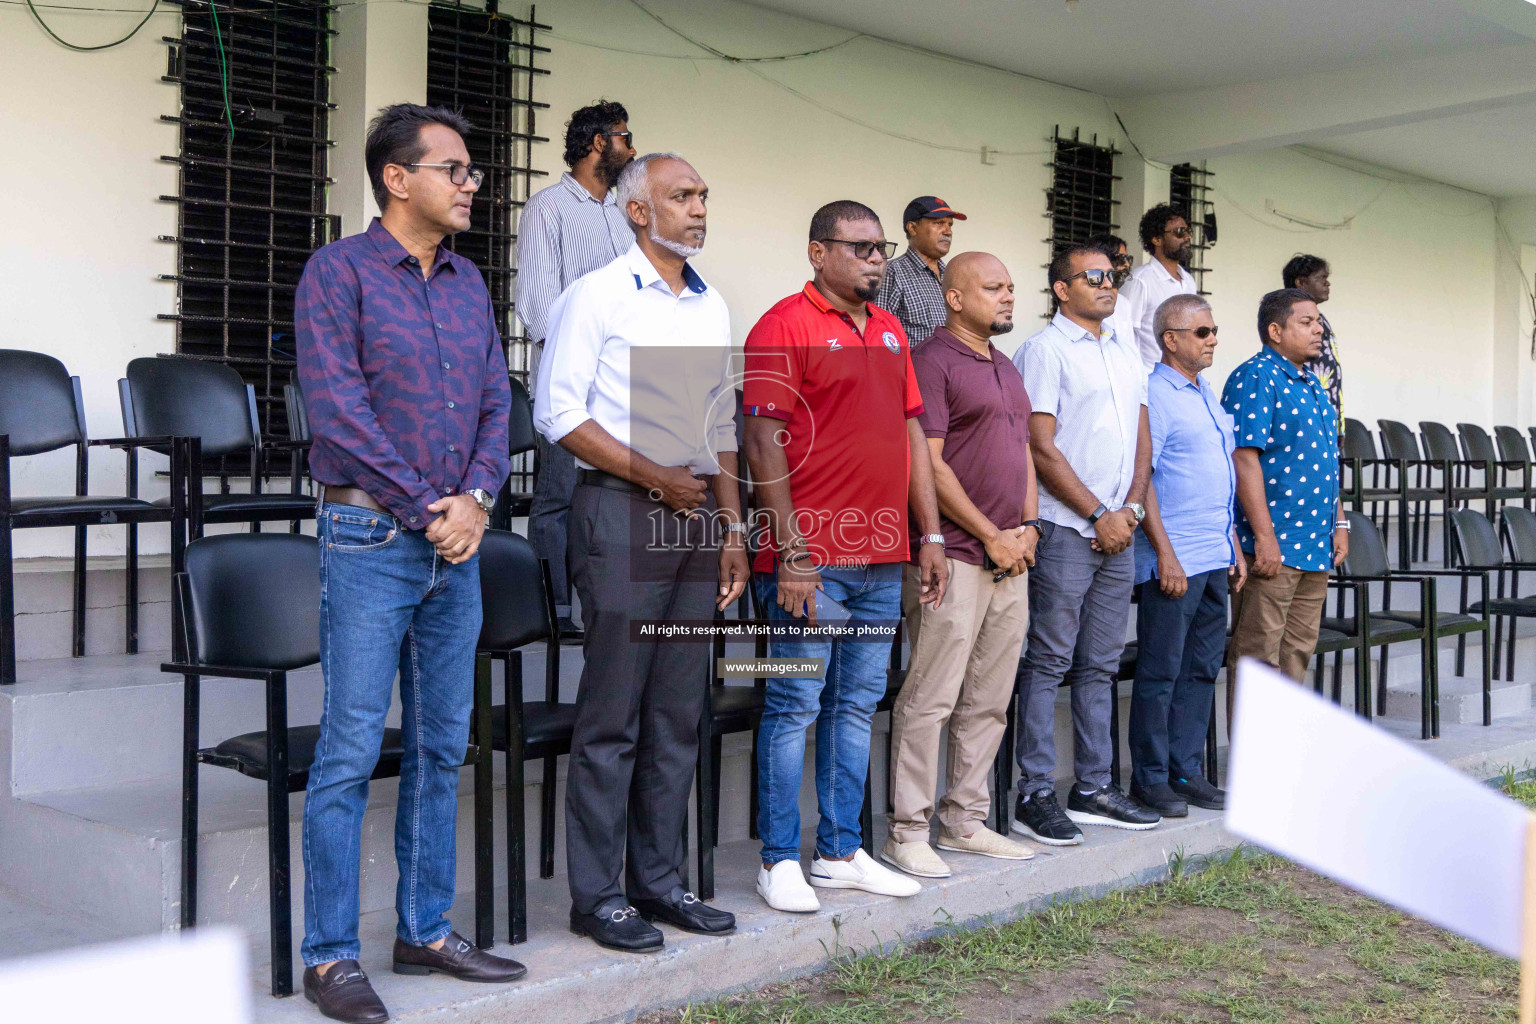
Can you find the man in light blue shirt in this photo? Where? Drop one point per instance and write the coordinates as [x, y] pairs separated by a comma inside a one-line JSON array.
[[1186, 550]]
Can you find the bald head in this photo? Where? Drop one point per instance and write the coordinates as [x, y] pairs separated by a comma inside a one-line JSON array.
[[979, 294]]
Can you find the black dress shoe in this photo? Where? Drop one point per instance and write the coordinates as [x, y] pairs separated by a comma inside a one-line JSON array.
[[688, 912], [617, 926], [1198, 791], [1161, 799], [343, 993], [458, 958]]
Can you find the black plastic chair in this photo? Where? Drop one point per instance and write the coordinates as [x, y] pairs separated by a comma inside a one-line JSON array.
[[1358, 453], [1400, 444], [1478, 547], [41, 411], [1515, 455], [1441, 446], [895, 675], [727, 709], [209, 404], [1479, 450], [299, 434], [250, 608], [518, 604]]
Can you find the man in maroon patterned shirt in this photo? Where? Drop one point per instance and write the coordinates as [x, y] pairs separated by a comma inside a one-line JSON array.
[[406, 386]]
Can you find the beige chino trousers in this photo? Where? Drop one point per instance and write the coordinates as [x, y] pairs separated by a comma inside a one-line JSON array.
[[960, 678], [1276, 621]]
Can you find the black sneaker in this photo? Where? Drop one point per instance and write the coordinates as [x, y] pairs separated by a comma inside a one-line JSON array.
[[1040, 817], [1160, 799], [1199, 792], [1109, 806]]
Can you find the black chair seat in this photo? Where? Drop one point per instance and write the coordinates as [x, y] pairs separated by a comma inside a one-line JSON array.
[[1330, 640], [736, 700], [519, 504], [543, 724], [1443, 620], [247, 754], [1380, 626], [1522, 606], [245, 503], [78, 503]]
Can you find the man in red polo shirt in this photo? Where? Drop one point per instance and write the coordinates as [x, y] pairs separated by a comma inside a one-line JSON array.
[[838, 459]]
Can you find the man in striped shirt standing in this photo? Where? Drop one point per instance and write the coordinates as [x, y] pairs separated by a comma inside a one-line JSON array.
[[571, 228]]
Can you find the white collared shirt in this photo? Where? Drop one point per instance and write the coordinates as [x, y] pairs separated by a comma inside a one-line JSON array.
[[1145, 290], [1095, 387], [651, 368]]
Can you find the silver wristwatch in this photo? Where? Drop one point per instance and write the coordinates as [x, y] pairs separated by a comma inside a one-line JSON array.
[[933, 538], [1137, 511], [486, 499]]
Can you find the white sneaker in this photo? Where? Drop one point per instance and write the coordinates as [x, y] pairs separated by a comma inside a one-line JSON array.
[[862, 873], [783, 887]]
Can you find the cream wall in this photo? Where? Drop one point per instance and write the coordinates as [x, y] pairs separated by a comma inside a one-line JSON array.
[[1414, 274]]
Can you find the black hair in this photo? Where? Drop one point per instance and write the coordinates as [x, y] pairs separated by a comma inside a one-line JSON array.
[[394, 137], [1108, 243], [1275, 308], [825, 221], [600, 117], [1154, 221], [1061, 264], [1301, 265]]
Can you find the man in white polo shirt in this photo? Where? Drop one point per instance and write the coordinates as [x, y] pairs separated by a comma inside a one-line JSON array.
[[1165, 237], [635, 384]]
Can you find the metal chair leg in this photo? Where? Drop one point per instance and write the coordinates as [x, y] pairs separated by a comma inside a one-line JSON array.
[[190, 729], [278, 872], [517, 826], [485, 882], [707, 809], [77, 616]]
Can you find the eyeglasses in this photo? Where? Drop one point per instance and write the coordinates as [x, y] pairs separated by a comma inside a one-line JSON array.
[[1202, 332], [1095, 278], [863, 249], [457, 173], [628, 137]]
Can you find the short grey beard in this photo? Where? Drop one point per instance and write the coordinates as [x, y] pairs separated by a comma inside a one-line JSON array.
[[687, 252]]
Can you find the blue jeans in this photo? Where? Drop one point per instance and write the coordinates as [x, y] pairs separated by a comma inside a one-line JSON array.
[[388, 603], [1179, 646], [841, 705]]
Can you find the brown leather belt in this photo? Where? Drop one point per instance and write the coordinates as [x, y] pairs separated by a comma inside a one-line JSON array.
[[351, 496]]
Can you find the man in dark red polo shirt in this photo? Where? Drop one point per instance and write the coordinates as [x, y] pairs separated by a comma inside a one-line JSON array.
[[838, 458], [966, 651]]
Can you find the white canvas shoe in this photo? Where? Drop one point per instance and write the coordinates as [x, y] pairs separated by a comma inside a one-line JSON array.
[[862, 873], [783, 887]]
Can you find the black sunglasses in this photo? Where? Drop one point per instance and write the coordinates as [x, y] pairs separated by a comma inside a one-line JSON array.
[[863, 249], [1202, 332], [1096, 278]]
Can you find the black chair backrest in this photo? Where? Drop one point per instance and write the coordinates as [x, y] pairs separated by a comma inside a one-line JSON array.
[[1511, 445], [1358, 442], [39, 403], [1367, 552], [1520, 525], [1439, 442], [190, 398], [520, 431], [254, 600], [298, 415], [1397, 440], [1478, 542], [514, 595], [1476, 445]]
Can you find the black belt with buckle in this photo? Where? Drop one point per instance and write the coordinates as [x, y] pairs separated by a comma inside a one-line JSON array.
[[597, 478]]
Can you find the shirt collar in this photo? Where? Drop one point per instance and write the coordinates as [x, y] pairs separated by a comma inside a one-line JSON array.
[[1176, 378], [945, 336], [394, 253], [645, 273], [1074, 332], [1162, 270], [915, 258], [579, 190], [1286, 366], [820, 301]]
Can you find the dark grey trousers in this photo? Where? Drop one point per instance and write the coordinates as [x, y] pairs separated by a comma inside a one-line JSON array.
[[1079, 604], [549, 514], [637, 713]]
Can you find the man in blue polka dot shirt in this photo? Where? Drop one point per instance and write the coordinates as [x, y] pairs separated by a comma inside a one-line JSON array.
[[1289, 521]]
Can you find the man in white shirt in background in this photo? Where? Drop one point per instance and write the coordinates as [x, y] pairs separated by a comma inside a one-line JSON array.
[[635, 384], [1165, 236]]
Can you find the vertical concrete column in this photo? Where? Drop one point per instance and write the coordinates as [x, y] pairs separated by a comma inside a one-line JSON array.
[[380, 55], [1141, 187], [1514, 263]]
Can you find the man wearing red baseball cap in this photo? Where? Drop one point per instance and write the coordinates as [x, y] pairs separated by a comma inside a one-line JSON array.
[[912, 288]]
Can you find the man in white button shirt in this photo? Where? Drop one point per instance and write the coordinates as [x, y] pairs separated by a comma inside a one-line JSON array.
[[1092, 447], [635, 384], [1165, 237]]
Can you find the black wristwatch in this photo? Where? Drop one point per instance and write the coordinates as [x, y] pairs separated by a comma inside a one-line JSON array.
[[1097, 513], [1031, 522]]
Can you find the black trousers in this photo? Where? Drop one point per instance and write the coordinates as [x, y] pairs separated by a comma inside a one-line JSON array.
[[637, 714]]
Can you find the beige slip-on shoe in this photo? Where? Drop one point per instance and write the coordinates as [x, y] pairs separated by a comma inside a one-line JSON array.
[[914, 858], [986, 843]]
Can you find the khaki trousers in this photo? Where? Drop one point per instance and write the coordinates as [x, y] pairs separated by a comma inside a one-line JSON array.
[[1276, 621], [965, 655]]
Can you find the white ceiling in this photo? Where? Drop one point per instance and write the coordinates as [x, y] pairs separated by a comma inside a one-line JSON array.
[[1138, 48]]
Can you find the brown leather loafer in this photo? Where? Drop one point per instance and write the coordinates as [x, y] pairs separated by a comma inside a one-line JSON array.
[[343, 993], [458, 958]]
